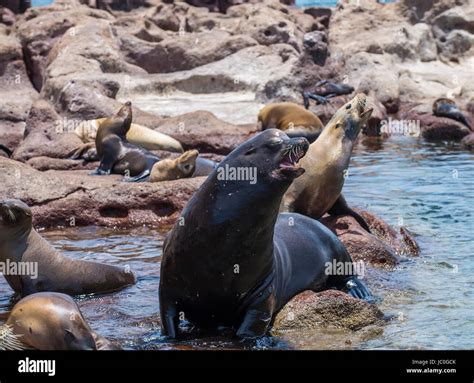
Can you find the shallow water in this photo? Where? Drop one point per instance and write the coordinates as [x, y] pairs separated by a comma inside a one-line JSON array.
[[430, 187]]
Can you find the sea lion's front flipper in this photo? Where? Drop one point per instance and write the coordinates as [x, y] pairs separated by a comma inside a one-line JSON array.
[[141, 177], [356, 288], [341, 207], [110, 155], [78, 153], [256, 323], [313, 96]]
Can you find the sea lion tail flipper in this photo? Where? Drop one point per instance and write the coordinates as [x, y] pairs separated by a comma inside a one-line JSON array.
[[462, 118], [77, 153], [356, 288], [341, 207], [141, 177], [6, 150], [321, 83], [319, 99], [306, 100]]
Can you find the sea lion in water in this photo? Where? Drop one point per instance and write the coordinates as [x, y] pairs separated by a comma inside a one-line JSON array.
[[318, 191], [137, 134], [232, 259], [445, 107], [20, 244], [116, 154], [292, 118], [324, 90], [49, 321]]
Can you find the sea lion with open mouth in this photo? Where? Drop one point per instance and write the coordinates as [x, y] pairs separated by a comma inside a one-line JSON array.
[[232, 259], [49, 321], [21, 244], [318, 190]]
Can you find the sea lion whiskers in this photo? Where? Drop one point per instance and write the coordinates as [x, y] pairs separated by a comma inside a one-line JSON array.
[[9, 341]]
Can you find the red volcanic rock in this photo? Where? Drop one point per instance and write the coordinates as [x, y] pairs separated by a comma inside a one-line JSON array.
[[384, 247], [468, 141], [327, 309], [65, 198]]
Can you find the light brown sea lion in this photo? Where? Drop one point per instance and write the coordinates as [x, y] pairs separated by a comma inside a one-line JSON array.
[[181, 167], [318, 191], [44, 268], [137, 134], [292, 118], [49, 321]]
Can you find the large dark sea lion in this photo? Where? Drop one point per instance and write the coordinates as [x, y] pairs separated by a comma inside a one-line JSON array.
[[292, 118], [49, 321], [116, 154], [44, 268], [232, 259], [318, 191], [445, 107]]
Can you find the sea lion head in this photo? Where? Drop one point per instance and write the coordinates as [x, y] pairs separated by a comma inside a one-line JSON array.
[[350, 118], [51, 321], [120, 123], [443, 101], [15, 217], [186, 162], [271, 154]]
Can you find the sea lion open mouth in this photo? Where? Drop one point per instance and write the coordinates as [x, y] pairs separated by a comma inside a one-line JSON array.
[[289, 165]]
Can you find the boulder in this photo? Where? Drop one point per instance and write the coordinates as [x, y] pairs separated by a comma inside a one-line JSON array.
[[327, 310], [65, 198]]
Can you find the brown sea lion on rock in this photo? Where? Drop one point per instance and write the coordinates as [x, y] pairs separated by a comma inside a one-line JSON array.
[[49, 321], [46, 269], [292, 118], [116, 154], [318, 191]]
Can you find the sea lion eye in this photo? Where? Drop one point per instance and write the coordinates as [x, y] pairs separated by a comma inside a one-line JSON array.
[[338, 125], [250, 151], [275, 142], [348, 106], [186, 167]]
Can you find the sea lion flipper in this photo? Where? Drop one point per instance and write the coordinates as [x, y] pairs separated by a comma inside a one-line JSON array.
[[341, 207], [110, 155], [141, 177], [319, 99], [322, 82], [256, 323], [357, 289]]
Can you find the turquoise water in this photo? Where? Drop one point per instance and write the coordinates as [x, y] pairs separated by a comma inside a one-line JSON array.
[[430, 187]]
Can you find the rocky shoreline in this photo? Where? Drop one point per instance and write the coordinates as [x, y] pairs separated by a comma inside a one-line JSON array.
[[66, 63]]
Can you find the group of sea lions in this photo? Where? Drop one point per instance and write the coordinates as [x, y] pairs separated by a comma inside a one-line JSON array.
[[240, 250]]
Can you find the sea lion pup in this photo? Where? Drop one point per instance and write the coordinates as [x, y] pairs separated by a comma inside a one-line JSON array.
[[49, 321], [45, 268], [318, 191], [232, 259], [116, 154], [292, 118], [445, 107], [181, 167], [324, 90]]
